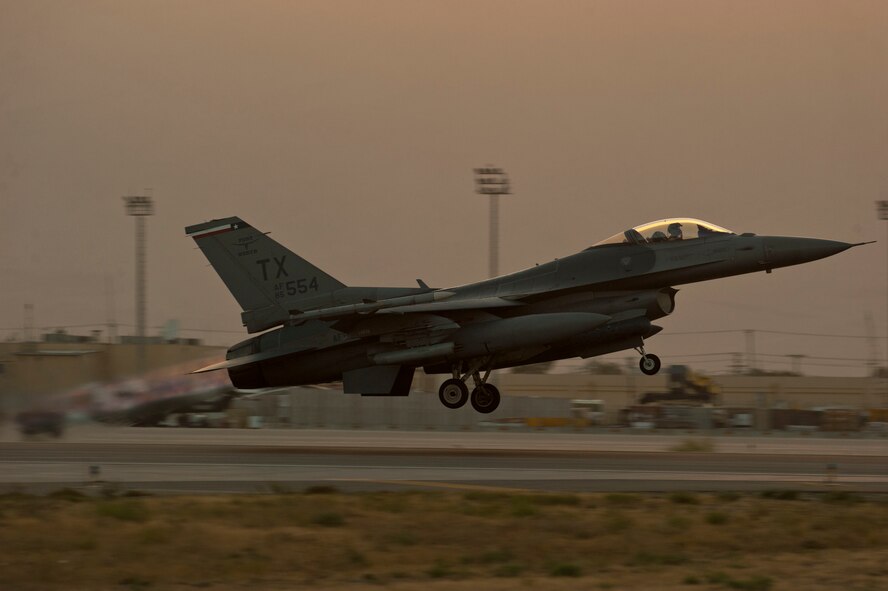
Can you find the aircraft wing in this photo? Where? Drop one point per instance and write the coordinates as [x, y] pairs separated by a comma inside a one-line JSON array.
[[438, 303]]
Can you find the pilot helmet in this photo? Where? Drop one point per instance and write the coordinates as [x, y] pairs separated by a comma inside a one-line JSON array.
[[674, 230]]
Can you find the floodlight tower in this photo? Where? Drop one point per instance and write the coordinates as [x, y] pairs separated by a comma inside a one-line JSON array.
[[140, 207], [493, 181]]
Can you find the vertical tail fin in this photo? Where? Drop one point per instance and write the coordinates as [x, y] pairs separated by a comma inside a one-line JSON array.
[[265, 278]]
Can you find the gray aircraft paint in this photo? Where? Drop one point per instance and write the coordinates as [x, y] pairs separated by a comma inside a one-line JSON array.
[[597, 301]]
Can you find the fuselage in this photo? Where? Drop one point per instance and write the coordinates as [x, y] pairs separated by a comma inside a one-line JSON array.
[[599, 300]]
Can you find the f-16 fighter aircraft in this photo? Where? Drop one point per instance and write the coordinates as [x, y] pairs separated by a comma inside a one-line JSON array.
[[600, 300]]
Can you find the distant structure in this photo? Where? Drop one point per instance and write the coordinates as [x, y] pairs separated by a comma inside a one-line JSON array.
[[494, 182], [140, 207]]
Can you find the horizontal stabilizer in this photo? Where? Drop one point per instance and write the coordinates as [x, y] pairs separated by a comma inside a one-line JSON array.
[[287, 348], [216, 366]]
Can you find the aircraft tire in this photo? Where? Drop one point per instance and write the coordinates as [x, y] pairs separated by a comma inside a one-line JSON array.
[[649, 364], [485, 398], [453, 393]]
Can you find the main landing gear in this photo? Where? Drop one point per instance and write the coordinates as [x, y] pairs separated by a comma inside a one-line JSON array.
[[649, 364], [454, 393]]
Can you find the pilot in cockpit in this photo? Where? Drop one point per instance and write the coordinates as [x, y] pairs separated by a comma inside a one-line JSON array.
[[674, 230]]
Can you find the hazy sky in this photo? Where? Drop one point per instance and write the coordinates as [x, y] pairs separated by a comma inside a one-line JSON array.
[[349, 131]]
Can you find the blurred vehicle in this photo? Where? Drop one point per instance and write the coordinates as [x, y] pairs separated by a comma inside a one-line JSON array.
[[152, 399], [685, 386], [189, 409], [37, 422], [590, 412]]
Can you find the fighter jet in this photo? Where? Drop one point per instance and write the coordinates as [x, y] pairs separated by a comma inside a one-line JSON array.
[[597, 301]]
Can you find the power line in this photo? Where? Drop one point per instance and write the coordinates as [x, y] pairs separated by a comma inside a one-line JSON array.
[[776, 332], [103, 324], [815, 334], [806, 357], [660, 335]]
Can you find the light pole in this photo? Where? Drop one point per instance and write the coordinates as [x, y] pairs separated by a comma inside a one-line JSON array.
[[140, 207], [492, 181]]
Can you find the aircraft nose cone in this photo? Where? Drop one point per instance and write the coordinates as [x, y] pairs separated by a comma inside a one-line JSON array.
[[785, 251]]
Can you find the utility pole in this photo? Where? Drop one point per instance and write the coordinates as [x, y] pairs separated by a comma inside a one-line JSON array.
[[140, 207], [494, 182], [736, 363], [111, 323], [873, 341], [883, 215], [795, 363], [29, 338], [750, 351]]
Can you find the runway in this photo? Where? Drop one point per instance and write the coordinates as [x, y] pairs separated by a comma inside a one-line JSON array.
[[207, 461]]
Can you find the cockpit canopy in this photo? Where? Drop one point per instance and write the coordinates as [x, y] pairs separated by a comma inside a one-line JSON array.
[[668, 230]]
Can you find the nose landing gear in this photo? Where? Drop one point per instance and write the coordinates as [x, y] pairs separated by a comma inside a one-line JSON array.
[[649, 364]]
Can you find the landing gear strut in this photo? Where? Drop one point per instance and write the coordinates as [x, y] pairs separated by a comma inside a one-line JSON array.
[[649, 364], [454, 393]]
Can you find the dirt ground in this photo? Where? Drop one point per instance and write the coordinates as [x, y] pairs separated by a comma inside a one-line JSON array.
[[447, 541]]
